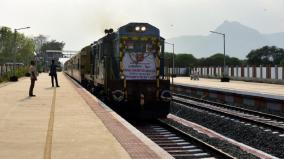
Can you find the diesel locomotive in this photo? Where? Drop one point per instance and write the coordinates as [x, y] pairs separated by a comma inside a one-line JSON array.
[[126, 68]]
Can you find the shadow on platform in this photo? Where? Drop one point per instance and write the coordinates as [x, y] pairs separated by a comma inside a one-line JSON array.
[[24, 99], [48, 88]]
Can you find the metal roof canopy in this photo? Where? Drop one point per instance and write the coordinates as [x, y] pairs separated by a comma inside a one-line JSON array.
[[66, 53]]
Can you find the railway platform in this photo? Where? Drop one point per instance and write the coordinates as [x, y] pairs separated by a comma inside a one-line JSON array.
[[65, 123], [259, 96]]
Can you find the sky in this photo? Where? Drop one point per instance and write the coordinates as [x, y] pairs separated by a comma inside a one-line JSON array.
[[80, 22]]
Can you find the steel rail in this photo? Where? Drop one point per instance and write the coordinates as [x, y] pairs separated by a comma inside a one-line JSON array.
[[219, 153], [229, 113], [253, 112]]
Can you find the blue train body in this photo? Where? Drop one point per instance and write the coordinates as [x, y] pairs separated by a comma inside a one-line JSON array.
[[126, 68]]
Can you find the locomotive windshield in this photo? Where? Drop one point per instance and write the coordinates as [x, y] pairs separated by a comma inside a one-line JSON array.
[[139, 46]]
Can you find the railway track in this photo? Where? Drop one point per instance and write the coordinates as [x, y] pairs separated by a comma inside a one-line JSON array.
[[178, 143], [271, 122]]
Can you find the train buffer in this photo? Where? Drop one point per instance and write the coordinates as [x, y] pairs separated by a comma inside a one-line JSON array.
[[64, 123]]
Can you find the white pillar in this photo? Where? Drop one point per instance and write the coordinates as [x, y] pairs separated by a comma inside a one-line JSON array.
[[276, 72]]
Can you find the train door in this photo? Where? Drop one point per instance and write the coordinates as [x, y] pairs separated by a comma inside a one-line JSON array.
[[162, 57], [72, 67], [93, 55], [108, 51], [100, 65]]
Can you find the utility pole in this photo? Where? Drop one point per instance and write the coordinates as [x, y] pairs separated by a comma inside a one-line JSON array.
[[14, 78], [173, 62], [225, 77]]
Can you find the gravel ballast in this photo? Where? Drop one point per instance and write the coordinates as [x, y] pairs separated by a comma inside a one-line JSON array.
[[253, 136], [220, 144]]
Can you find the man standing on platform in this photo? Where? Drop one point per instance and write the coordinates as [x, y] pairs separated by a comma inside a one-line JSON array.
[[53, 73], [33, 74]]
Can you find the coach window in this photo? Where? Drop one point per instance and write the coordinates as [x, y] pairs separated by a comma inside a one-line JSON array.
[[99, 51], [78, 64], [107, 49]]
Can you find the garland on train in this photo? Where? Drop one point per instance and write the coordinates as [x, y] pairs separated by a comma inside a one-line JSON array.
[[156, 42]]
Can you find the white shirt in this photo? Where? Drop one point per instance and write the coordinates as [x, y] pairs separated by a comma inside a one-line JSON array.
[[32, 70]]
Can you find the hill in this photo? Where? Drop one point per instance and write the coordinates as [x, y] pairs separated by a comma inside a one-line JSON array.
[[240, 40]]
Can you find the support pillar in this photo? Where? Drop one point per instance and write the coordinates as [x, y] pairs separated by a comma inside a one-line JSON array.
[[276, 72], [268, 72], [254, 71], [261, 73], [242, 71]]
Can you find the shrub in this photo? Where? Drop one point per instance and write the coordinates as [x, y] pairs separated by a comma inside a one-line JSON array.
[[20, 72]]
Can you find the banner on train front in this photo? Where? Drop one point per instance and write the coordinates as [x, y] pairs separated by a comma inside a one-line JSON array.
[[139, 66]]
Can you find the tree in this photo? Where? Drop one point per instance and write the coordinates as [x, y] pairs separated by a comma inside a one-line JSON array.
[[42, 47], [39, 41], [282, 62], [218, 60], [168, 58], [6, 41], [185, 60], [12, 46], [24, 49], [188, 60], [181, 60], [233, 61], [267, 55], [52, 45]]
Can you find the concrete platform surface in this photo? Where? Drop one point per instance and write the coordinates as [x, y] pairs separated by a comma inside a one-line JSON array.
[[58, 123], [248, 88]]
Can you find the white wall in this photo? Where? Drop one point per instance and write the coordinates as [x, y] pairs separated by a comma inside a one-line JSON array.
[[248, 72]]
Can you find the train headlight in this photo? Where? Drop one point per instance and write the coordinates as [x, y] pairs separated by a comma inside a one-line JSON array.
[[166, 95], [143, 28], [118, 95], [137, 28]]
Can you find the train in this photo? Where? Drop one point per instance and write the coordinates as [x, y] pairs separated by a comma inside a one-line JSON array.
[[126, 68]]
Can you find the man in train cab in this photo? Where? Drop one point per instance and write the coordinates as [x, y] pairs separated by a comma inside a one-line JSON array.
[[53, 74], [33, 74]]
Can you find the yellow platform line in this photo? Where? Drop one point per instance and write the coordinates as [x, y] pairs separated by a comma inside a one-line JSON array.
[[48, 142]]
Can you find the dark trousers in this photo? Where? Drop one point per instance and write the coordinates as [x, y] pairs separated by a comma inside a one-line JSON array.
[[32, 87], [52, 79]]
